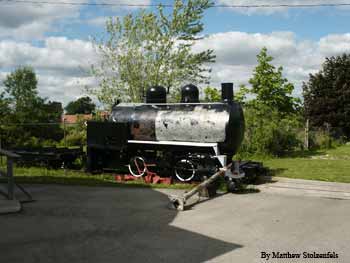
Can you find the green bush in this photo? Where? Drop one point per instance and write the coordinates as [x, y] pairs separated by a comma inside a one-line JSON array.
[[268, 134], [75, 134], [322, 139]]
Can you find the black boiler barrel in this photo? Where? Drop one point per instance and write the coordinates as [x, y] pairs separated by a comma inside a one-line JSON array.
[[221, 123]]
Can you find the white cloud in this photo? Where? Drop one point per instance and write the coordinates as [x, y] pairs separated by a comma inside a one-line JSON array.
[[63, 88], [236, 54], [61, 63], [233, 48], [99, 21], [335, 44], [31, 21], [58, 54], [28, 21]]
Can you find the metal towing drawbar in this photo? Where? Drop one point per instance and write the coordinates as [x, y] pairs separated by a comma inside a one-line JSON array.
[[231, 175]]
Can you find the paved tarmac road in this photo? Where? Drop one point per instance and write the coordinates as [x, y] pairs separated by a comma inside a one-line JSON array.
[[101, 224]]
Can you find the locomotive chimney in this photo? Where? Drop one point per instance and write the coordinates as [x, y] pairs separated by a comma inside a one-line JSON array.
[[227, 92]]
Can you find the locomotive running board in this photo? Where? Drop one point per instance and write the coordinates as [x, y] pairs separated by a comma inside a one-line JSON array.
[[214, 146], [194, 144]]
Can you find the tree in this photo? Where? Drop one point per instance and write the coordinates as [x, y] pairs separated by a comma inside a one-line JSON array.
[[211, 95], [21, 94], [270, 89], [27, 111], [327, 94], [83, 105], [150, 49], [271, 113]]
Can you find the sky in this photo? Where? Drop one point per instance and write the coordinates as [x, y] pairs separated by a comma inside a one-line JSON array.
[[56, 40]]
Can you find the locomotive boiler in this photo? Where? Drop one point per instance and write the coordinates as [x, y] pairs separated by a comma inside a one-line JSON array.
[[186, 140]]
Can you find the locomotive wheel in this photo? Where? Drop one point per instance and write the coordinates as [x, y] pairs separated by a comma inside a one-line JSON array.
[[185, 170], [231, 186], [137, 166]]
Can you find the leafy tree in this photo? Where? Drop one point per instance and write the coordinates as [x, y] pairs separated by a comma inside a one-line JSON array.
[[327, 94], [49, 112], [52, 111], [83, 105], [150, 49], [21, 87], [271, 113], [211, 95], [27, 111], [241, 94], [4, 106], [269, 88]]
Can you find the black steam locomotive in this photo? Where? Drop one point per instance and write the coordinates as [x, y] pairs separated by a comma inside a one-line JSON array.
[[186, 140]]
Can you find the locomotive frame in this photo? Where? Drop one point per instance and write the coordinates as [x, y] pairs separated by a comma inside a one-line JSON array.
[[109, 149]]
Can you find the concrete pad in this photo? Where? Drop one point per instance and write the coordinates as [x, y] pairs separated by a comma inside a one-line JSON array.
[[103, 224], [9, 206], [301, 187]]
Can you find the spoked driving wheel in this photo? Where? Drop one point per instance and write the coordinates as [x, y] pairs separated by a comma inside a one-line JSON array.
[[137, 166], [185, 170]]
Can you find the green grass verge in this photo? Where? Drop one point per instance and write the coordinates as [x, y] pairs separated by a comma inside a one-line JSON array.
[[326, 165], [35, 175]]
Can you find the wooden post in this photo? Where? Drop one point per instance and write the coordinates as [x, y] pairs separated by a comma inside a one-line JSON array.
[[10, 179], [0, 149], [9, 172], [306, 139], [64, 132], [329, 143]]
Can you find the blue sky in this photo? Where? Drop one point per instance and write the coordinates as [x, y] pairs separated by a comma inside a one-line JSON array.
[[307, 23], [55, 40]]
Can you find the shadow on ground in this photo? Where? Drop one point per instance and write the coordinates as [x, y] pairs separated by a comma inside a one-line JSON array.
[[268, 178], [275, 172], [304, 153], [101, 224]]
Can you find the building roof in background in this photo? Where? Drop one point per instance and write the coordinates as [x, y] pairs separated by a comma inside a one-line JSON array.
[[76, 117]]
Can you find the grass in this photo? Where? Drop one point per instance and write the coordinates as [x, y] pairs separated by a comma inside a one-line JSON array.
[[38, 175], [326, 165]]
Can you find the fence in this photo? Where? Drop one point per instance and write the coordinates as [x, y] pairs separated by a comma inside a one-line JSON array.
[[74, 134], [42, 134], [324, 136]]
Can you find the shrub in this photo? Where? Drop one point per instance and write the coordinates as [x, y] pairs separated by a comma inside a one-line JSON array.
[[322, 139], [269, 134], [75, 134]]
